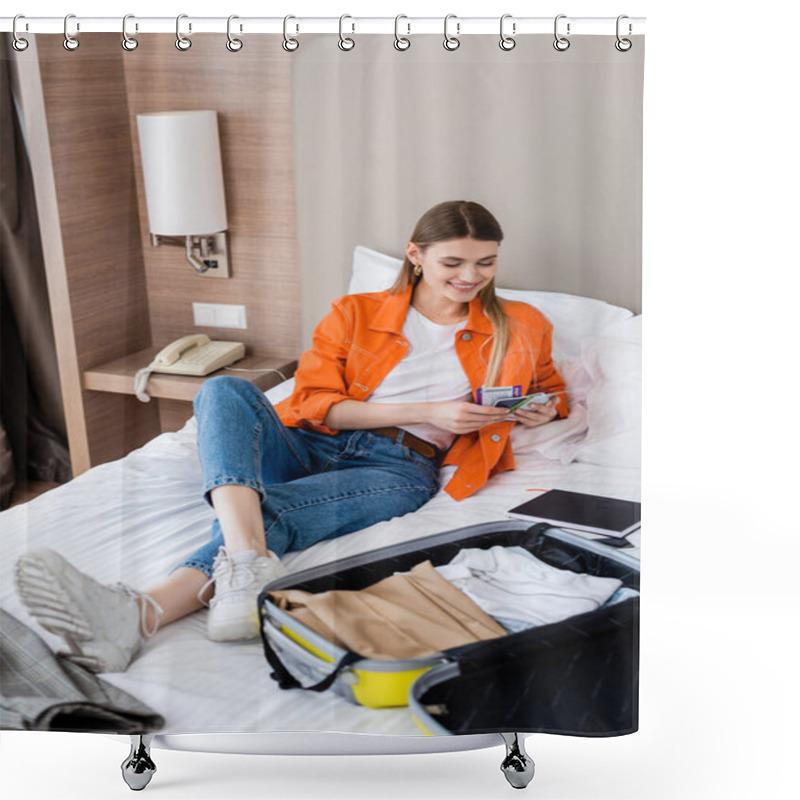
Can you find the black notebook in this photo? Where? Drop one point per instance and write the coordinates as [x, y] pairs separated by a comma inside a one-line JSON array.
[[583, 512]]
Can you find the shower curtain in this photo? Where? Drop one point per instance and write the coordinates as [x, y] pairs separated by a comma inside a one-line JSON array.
[[328, 155]]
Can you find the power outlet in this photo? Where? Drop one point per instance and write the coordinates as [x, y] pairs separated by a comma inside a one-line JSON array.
[[219, 315]]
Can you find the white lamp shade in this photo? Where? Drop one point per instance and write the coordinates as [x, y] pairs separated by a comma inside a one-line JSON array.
[[182, 169]]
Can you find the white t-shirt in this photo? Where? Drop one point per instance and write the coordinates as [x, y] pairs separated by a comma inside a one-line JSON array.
[[430, 372], [519, 591]]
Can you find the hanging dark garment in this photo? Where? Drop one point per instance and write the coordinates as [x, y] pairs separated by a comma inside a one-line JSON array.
[[33, 441]]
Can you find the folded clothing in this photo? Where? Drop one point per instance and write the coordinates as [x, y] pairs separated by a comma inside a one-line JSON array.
[[42, 691], [520, 591], [479, 595], [404, 616]]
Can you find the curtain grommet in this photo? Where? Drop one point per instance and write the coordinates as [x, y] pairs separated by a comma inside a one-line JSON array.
[[70, 42], [346, 43], [561, 43], [18, 43], [233, 44], [451, 43], [128, 42], [507, 42], [182, 42], [401, 43], [622, 44], [289, 43]]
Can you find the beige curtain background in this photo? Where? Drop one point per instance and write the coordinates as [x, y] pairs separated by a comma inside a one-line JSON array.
[[32, 427], [550, 142]]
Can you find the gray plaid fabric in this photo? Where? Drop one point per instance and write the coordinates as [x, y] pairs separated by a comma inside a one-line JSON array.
[[41, 691]]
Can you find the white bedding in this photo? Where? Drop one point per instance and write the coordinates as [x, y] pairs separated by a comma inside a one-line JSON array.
[[132, 520]]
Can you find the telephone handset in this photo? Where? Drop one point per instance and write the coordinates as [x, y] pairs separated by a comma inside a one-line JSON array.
[[172, 352], [195, 354]]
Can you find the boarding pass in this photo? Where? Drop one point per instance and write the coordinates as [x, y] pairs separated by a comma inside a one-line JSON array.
[[489, 395]]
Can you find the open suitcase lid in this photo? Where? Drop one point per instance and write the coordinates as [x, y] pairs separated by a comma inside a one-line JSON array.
[[577, 677]]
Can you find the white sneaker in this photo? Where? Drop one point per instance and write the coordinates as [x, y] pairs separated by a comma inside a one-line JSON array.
[[238, 580], [99, 623]]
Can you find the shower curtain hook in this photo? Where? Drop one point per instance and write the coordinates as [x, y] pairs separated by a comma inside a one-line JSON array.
[[289, 44], [561, 43], [233, 44], [623, 45], [128, 42], [182, 43], [451, 42], [400, 42], [507, 42], [345, 42], [70, 42], [19, 43]]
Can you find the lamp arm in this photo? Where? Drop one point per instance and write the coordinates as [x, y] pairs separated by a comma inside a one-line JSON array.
[[192, 258]]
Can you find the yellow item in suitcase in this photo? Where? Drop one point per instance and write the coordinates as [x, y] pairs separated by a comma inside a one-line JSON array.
[[370, 682]]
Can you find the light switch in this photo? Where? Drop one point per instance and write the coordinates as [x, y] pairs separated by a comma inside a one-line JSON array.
[[218, 315]]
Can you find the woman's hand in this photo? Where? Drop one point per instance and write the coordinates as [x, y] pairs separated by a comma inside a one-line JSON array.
[[457, 416], [536, 415]]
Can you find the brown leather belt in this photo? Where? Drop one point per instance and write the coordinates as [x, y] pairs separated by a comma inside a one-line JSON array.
[[412, 443]]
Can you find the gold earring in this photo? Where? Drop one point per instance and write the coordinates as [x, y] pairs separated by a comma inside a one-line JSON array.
[[417, 269]]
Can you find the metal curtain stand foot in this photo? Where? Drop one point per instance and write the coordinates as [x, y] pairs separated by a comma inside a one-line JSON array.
[[517, 766], [138, 768]]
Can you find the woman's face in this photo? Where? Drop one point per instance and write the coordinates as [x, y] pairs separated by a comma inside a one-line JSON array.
[[455, 269]]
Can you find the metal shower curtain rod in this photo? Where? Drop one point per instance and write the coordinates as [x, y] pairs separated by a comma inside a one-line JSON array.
[[461, 26]]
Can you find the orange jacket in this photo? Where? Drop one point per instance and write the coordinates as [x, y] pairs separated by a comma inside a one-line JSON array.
[[361, 340]]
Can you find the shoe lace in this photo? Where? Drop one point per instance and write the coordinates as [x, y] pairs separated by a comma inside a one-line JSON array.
[[202, 591], [230, 575], [146, 602]]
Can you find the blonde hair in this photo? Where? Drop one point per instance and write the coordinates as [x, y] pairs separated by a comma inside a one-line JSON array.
[[459, 219]]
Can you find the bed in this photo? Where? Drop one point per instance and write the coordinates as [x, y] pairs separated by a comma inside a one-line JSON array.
[[133, 519]]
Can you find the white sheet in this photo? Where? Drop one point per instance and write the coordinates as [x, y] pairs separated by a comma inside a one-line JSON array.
[[132, 520]]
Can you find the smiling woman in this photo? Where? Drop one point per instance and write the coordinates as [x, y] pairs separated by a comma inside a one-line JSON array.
[[446, 284], [462, 239], [451, 274]]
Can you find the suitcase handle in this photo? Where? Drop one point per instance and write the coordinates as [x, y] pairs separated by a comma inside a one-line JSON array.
[[285, 678]]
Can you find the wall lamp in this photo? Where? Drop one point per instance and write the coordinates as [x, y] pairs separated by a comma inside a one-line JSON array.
[[184, 187]]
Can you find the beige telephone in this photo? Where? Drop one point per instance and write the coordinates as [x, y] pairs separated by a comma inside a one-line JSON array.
[[195, 354]]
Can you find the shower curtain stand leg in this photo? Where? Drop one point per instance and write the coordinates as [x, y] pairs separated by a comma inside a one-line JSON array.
[[517, 766], [138, 768]]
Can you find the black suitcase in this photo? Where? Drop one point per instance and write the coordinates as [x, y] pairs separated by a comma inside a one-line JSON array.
[[578, 676]]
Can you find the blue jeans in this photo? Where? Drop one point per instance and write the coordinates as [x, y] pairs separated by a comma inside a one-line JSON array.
[[312, 486]]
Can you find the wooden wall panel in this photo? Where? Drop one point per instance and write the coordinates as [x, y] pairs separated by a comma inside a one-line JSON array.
[[99, 301], [251, 92], [113, 292]]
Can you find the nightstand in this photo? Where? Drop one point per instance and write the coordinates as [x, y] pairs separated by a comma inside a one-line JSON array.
[[174, 393]]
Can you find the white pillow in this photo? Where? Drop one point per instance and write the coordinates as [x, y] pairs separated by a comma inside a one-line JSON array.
[[614, 401], [574, 318], [280, 392], [577, 379], [372, 271]]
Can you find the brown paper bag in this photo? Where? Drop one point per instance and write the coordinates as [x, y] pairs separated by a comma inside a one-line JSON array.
[[404, 616]]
